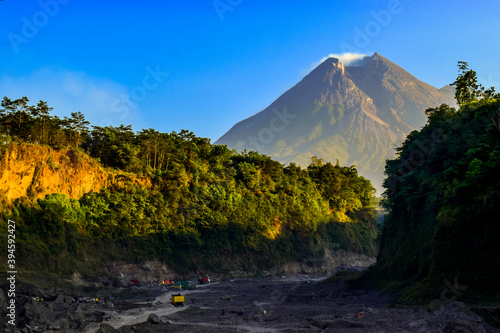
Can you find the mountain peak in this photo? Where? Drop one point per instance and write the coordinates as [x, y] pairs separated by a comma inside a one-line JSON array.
[[332, 62], [355, 113], [329, 68], [351, 59], [379, 62]]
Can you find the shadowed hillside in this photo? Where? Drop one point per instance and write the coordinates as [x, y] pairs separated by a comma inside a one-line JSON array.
[[440, 238]]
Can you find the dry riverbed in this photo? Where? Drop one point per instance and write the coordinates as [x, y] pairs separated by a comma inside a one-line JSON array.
[[300, 304]]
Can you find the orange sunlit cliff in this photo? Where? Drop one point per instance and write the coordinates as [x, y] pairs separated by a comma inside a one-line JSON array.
[[35, 170]]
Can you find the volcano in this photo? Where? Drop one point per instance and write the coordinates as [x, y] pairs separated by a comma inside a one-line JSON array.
[[355, 114]]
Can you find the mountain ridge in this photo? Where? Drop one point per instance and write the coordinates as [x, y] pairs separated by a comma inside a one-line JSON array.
[[356, 114]]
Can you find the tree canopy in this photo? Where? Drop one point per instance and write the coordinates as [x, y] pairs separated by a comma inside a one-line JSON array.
[[441, 195], [205, 201]]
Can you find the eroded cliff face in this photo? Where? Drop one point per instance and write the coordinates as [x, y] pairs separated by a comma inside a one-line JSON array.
[[35, 170], [329, 264], [120, 273]]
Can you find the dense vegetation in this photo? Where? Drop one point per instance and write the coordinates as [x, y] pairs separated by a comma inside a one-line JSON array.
[[440, 239], [208, 207]]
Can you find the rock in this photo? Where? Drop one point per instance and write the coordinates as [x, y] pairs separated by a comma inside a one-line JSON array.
[[83, 307], [102, 280], [37, 312], [63, 299], [106, 328], [455, 317], [154, 319], [121, 283], [490, 314], [76, 319], [78, 279], [346, 324], [60, 324], [321, 323], [225, 297]]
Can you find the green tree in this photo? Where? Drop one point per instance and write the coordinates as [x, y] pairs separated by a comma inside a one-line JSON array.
[[467, 89], [440, 113], [41, 116], [77, 127], [16, 117]]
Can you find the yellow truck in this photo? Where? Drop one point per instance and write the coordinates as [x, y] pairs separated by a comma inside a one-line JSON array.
[[178, 300]]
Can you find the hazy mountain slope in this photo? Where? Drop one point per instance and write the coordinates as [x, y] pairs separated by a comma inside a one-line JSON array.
[[354, 114], [399, 97]]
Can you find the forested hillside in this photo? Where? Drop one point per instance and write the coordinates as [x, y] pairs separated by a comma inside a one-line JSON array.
[[442, 196], [179, 199]]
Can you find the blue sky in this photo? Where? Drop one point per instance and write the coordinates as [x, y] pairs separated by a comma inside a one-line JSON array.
[[205, 65]]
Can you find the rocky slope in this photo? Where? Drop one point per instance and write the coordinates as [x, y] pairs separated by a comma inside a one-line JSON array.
[[121, 273]]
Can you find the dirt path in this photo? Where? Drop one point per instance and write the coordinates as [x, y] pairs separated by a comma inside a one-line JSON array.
[[160, 306]]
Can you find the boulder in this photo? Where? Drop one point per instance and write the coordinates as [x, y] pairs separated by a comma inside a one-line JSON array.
[[60, 324], [154, 319], [106, 328]]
